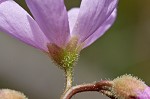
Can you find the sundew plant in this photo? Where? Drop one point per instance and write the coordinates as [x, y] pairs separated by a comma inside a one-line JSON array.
[[62, 35]]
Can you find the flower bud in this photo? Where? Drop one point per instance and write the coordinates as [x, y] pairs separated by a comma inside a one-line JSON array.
[[128, 87], [11, 94]]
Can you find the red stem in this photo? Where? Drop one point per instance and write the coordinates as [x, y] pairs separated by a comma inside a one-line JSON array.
[[98, 87]]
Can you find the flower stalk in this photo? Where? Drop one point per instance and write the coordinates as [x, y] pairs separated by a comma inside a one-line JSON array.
[[69, 79], [102, 86]]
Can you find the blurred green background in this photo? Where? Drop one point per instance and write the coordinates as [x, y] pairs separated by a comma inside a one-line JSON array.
[[124, 49]]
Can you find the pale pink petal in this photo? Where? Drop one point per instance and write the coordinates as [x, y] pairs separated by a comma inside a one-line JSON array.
[[72, 17], [93, 13], [51, 15], [15, 21], [145, 94], [101, 30]]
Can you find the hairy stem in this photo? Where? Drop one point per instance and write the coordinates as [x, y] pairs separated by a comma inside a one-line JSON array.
[[69, 77], [98, 87]]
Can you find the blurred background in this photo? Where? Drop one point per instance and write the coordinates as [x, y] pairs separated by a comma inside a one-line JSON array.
[[124, 49]]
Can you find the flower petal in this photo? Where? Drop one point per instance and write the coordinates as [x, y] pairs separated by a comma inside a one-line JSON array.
[[93, 13], [101, 30], [51, 15], [15, 21], [72, 17], [145, 94]]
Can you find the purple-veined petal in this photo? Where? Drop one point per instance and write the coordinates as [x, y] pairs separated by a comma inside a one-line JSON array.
[[51, 15], [145, 94], [72, 17], [101, 30], [15, 21], [93, 13]]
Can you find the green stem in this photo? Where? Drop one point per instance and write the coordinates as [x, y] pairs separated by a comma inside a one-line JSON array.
[[69, 78]]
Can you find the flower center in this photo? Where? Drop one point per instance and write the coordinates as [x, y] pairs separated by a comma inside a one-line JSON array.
[[65, 57], [69, 59]]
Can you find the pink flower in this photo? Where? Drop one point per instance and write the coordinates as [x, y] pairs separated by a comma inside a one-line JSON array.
[[53, 24], [53, 28]]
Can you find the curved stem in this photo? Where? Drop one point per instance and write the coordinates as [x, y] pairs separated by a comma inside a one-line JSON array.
[[98, 87]]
